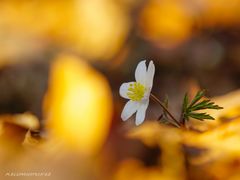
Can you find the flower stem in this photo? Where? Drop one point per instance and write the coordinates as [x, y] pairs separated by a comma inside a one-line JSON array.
[[153, 97]]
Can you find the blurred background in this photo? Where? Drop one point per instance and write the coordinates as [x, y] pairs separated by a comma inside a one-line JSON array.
[[61, 66]]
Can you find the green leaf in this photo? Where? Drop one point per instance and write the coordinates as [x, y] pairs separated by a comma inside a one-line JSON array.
[[205, 104], [189, 110], [197, 97], [185, 102], [200, 116], [201, 105]]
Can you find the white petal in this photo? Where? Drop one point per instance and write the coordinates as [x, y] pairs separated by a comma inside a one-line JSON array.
[[150, 75], [124, 89], [141, 112], [141, 72], [129, 109]]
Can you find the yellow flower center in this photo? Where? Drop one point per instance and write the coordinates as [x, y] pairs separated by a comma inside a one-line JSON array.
[[136, 91]]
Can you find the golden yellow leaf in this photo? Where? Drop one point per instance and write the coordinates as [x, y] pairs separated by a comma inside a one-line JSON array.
[[78, 104]]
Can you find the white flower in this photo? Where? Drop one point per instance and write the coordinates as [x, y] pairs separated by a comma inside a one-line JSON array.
[[138, 92]]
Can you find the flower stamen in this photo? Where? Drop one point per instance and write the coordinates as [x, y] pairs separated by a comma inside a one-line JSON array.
[[136, 91]]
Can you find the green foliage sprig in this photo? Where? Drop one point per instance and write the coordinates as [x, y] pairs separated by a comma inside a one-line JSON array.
[[190, 108]]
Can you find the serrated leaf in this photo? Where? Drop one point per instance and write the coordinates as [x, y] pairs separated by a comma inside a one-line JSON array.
[[201, 105], [200, 116], [198, 104], [197, 97], [205, 104], [215, 107]]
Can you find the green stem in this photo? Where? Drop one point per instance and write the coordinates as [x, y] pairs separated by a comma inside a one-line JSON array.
[[153, 97]]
